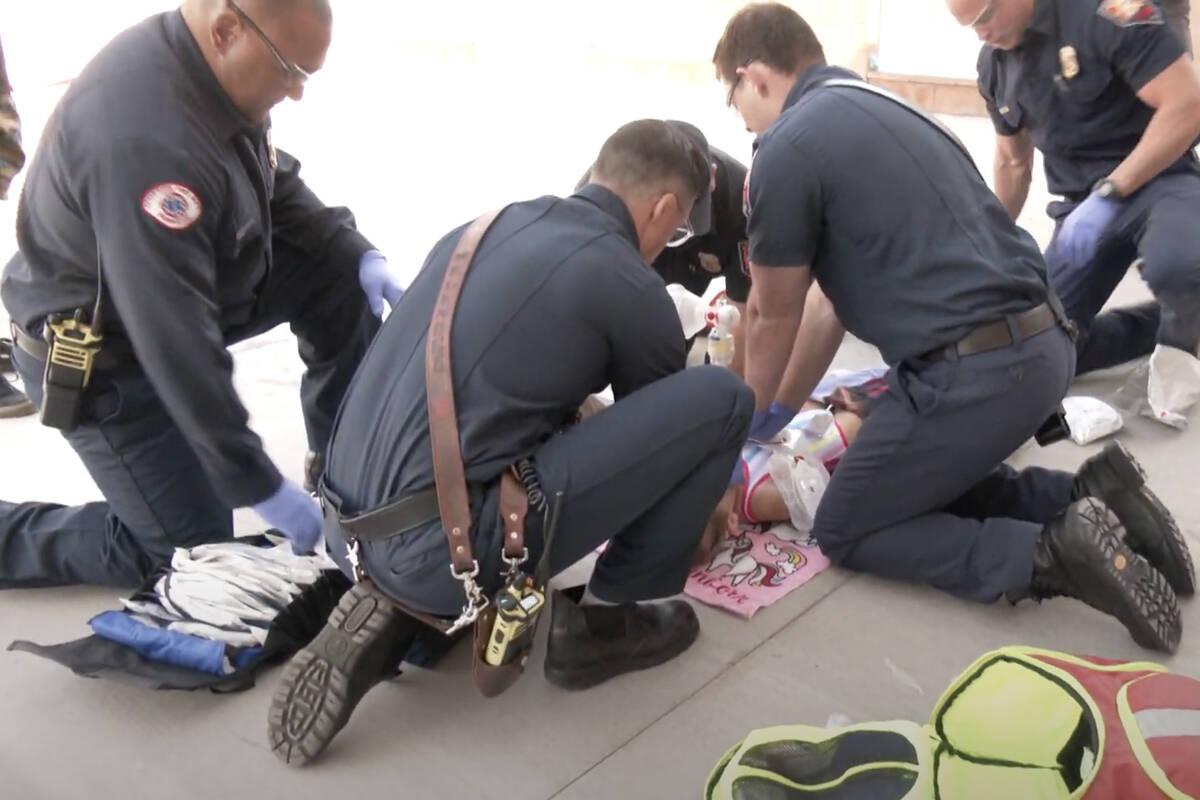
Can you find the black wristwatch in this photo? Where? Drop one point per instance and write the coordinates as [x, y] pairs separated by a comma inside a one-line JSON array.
[[1107, 189]]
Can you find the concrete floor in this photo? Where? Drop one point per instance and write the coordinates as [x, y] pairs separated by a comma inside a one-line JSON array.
[[843, 644]]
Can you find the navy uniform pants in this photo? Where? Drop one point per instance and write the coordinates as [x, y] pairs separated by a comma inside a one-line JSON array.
[[922, 494], [156, 495], [644, 475], [1158, 228]]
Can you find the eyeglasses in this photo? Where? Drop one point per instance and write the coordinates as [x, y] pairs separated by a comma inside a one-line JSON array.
[[733, 87], [296, 74], [985, 15], [683, 234]]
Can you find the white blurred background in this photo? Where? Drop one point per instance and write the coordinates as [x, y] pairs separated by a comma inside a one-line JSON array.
[[428, 113]]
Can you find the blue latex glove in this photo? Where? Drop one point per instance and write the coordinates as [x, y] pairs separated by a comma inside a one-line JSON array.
[[294, 514], [766, 424], [1083, 227], [378, 281]]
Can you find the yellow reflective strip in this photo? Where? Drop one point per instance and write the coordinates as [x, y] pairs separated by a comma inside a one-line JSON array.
[[754, 772], [1130, 666]]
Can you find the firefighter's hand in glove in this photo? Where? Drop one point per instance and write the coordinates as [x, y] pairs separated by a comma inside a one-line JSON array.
[[294, 514], [765, 425], [379, 282], [1083, 228]]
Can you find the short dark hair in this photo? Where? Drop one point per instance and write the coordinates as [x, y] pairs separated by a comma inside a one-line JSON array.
[[771, 33], [652, 152]]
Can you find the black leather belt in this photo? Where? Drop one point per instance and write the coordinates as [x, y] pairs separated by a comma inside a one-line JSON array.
[[390, 520], [108, 358], [995, 335]]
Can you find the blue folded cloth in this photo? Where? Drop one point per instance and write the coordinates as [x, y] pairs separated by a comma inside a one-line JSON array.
[[160, 644]]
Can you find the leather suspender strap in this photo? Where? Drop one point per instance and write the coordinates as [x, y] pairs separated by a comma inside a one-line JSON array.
[[847, 83], [514, 505], [453, 505]]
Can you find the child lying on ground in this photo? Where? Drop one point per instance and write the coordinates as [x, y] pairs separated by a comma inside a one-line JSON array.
[[783, 480]]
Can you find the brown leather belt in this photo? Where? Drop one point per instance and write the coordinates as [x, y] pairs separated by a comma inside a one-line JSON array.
[[995, 335]]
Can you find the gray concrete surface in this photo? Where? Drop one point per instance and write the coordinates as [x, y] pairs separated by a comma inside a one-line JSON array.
[[842, 644]]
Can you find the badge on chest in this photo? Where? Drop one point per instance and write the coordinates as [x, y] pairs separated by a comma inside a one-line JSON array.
[[1068, 62]]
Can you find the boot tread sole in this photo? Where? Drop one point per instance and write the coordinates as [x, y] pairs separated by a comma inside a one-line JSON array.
[[1168, 553], [315, 696], [1141, 598]]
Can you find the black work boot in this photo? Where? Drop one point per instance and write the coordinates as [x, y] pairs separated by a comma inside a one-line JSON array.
[[1081, 554], [361, 645], [590, 644], [13, 402], [1115, 477], [314, 465]]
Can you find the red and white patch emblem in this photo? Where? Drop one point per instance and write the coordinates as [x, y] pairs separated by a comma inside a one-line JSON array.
[[744, 255], [1130, 12], [172, 205]]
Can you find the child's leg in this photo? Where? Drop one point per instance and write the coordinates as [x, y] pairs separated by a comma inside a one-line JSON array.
[[766, 504]]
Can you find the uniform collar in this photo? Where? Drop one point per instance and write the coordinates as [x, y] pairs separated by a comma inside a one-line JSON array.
[[219, 108], [612, 205], [1045, 20], [811, 77]]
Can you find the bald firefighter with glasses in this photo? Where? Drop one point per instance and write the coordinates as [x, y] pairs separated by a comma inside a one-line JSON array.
[[159, 226]]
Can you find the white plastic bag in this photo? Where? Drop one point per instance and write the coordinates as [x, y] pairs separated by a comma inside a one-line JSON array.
[[1174, 385], [1090, 419], [801, 484]]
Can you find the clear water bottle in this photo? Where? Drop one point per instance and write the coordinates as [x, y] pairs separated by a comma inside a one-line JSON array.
[[721, 320]]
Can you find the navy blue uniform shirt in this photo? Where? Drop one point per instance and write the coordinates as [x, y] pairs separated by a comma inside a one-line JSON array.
[[901, 232], [147, 162], [1073, 84], [726, 240], [557, 305]]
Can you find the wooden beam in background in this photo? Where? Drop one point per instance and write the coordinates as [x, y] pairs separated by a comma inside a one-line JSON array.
[[938, 95]]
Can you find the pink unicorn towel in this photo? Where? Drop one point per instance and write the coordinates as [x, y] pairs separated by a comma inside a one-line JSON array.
[[753, 568]]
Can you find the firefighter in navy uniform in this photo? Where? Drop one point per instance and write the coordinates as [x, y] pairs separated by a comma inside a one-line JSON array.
[[558, 304], [714, 243], [1106, 91], [157, 226], [919, 258]]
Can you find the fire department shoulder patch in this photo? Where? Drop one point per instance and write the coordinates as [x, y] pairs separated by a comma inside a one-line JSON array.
[[172, 205], [1130, 12]]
